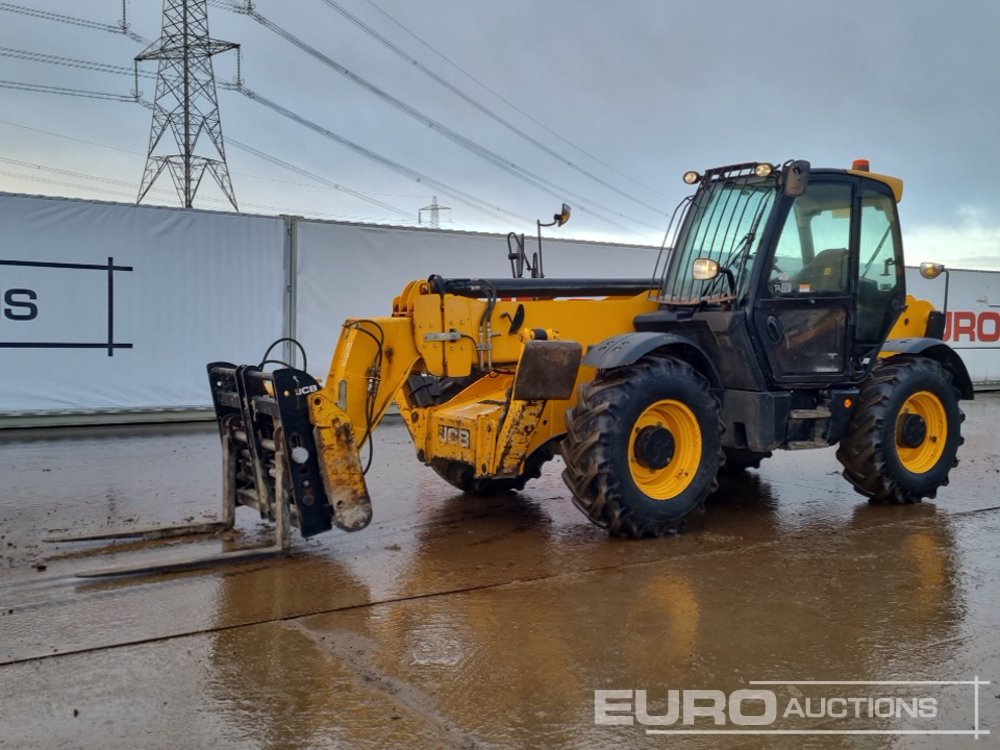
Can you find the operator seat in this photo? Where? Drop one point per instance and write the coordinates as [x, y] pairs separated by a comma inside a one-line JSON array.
[[826, 272]]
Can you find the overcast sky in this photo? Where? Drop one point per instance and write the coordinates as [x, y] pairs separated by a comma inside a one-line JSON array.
[[632, 93]]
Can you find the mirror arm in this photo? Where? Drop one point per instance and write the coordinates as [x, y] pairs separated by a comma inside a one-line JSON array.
[[725, 270]]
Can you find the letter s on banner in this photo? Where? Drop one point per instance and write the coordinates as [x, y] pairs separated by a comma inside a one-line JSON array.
[[28, 308]]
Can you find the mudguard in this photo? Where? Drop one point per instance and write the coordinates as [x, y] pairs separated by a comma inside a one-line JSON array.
[[937, 350], [628, 348]]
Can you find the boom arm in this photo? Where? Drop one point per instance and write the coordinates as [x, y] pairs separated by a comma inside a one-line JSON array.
[[372, 360], [291, 442]]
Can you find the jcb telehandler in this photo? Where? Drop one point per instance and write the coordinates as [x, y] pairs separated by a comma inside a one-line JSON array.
[[778, 319]]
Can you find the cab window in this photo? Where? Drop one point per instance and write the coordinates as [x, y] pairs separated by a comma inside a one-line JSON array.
[[812, 255], [881, 268]]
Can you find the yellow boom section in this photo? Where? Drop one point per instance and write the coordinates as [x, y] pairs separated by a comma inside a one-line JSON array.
[[487, 426]]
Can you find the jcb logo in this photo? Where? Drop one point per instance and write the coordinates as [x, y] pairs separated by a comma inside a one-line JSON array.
[[455, 435]]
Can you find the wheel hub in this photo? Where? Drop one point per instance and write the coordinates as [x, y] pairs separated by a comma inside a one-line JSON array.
[[664, 449], [654, 447], [911, 430]]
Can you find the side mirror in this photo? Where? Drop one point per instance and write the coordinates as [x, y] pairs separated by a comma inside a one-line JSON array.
[[795, 177], [557, 220], [563, 216], [704, 269], [932, 271]]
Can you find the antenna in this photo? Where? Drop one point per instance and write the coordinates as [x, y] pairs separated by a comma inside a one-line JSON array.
[[186, 102]]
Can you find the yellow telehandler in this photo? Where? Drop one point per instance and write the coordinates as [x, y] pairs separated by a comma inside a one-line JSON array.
[[778, 319]]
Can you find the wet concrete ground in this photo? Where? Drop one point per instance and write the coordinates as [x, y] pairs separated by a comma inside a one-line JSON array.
[[489, 622]]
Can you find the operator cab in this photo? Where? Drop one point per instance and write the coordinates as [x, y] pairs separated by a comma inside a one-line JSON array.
[[811, 260]]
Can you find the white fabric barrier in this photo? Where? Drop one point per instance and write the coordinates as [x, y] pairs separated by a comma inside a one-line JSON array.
[[346, 271], [119, 307]]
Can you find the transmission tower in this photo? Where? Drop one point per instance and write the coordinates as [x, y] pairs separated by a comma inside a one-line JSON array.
[[434, 209], [186, 102]]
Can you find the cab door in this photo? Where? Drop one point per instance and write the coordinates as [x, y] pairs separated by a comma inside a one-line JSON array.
[[804, 308]]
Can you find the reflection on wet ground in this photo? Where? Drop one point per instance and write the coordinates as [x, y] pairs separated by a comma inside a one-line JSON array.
[[479, 622]]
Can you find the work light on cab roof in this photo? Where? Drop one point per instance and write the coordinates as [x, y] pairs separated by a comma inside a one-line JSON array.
[[761, 169]]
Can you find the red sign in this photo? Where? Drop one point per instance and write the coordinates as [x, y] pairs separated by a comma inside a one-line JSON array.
[[965, 325]]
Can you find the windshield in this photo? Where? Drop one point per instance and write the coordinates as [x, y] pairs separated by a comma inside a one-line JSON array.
[[724, 223]]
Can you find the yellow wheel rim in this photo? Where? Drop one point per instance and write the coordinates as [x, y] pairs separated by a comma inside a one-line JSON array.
[[671, 480], [922, 457]]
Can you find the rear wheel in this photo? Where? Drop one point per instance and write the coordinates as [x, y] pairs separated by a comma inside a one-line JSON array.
[[903, 439], [463, 476], [643, 447]]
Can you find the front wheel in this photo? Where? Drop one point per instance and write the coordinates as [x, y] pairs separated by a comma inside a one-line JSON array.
[[903, 439], [642, 447]]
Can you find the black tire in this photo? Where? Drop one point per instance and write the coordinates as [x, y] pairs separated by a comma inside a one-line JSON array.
[[601, 448], [871, 448], [462, 475], [739, 460]]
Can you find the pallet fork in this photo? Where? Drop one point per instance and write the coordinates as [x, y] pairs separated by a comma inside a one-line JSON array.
[[270, 463]]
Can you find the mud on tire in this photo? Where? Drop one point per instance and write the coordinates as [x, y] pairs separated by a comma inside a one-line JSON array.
[[888, 454], [600, 448]]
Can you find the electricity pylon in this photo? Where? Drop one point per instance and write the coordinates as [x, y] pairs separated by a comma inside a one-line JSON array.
[[434, 209], [186, 102]]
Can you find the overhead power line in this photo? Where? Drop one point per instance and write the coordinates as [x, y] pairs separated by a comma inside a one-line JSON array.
[[457, 194], [513, 106], [69, 137], [537, 181], [247, 9], [126, 188], [460, 195], [322, 180], [72, 20], [482, 107], [70, 62], [63, 183], [65, 172], [315, 179], [65, 91], [123, 28]]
